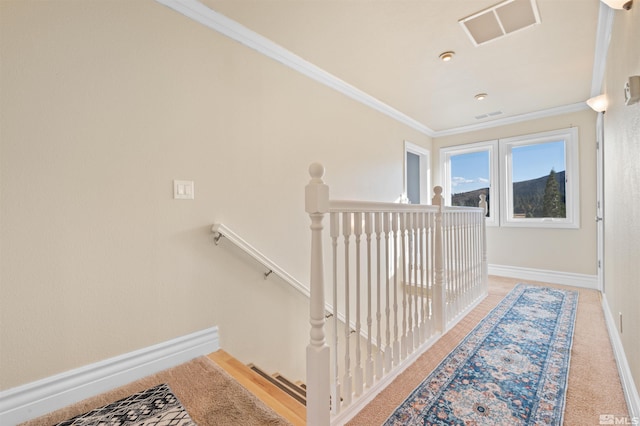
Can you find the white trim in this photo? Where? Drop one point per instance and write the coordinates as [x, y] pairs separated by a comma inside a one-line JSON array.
[[546, 276], [550, 112], [490, 146], [425, 171], [232, 29], [628, 385], [572, 178], [600, 200], [44, 396]]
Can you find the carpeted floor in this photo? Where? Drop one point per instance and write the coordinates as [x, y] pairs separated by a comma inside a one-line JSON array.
[[209, 394], [211, 399], [594, 385], [512, 369]]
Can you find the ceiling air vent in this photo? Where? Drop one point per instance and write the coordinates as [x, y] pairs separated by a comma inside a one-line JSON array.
[[491, 114], [500, 20]]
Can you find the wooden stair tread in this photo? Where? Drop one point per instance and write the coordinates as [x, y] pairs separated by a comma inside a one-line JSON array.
[[294, 386], [283, 384], [270, 394]]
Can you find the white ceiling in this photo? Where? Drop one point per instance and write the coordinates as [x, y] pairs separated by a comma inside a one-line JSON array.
[[389, 50]]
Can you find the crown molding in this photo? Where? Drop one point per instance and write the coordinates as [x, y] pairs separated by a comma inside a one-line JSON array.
[[232, 29], [202, 14], [578, 106]]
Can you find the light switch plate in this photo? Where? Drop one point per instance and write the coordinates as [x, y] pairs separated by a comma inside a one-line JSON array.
[[183, 190]]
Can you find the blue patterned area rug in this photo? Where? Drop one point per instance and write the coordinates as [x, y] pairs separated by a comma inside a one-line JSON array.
[[157, 406], [512, 369]]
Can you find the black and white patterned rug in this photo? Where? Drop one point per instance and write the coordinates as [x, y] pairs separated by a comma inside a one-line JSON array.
[[157, 406]]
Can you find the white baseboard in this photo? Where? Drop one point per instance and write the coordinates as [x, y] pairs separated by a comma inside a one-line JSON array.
[[628, 385], [545, 276], [44, 396]]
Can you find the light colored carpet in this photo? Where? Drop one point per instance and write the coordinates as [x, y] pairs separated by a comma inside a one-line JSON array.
[[212, 399], [594, 385], [209, 394]]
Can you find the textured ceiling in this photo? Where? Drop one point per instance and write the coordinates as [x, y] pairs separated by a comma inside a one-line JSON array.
[[389, 49]]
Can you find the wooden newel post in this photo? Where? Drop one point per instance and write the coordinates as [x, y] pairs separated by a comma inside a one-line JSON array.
[[439, 286], [318, 373]]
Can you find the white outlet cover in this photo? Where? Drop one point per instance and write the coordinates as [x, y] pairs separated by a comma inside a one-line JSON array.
[[183, 190]]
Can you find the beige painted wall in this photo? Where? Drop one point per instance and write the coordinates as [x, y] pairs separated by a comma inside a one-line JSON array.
[[560, 250], [104, 104], [622, 185]]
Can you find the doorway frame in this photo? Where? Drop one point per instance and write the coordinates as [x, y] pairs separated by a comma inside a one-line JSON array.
[[424, 174]]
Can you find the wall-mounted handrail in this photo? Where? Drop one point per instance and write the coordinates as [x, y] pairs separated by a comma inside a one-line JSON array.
[[220, 230]]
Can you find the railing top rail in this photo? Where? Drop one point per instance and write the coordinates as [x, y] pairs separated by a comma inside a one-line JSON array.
[[375, 206], [338, 206], [462, 209]]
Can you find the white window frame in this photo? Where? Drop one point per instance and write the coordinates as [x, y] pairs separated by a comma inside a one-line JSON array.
[[445, 169], [425, 172], [572, 182]]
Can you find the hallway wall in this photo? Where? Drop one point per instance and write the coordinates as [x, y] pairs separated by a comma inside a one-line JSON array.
[[103, 105]]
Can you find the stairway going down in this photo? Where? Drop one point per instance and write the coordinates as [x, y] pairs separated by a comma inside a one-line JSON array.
[[285, 397]]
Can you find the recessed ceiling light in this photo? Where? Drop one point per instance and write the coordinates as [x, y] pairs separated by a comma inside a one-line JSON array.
[[447, 56], [480, 96]]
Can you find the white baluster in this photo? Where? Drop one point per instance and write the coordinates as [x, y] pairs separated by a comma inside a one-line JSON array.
[[458, 258], [318, 365], [396, 336], [369, 363], [358, 375], [483, 246], [467, 259], [407, 284], [411, 279], [379, 353], [485, 271], [416, 266], [420, 286], [335, 391], [449, 259], [347, 382], [478, 255], [412, 282], [471, 261], [430, 274], [419, 297], [439, 308], [387, 352]]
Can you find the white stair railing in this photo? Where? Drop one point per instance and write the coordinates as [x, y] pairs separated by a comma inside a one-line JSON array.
[[410, 272]]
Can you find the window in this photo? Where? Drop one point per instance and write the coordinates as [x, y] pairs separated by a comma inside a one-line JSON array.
[[470, 170], [530, 181], [540, 180], [417, 188]]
